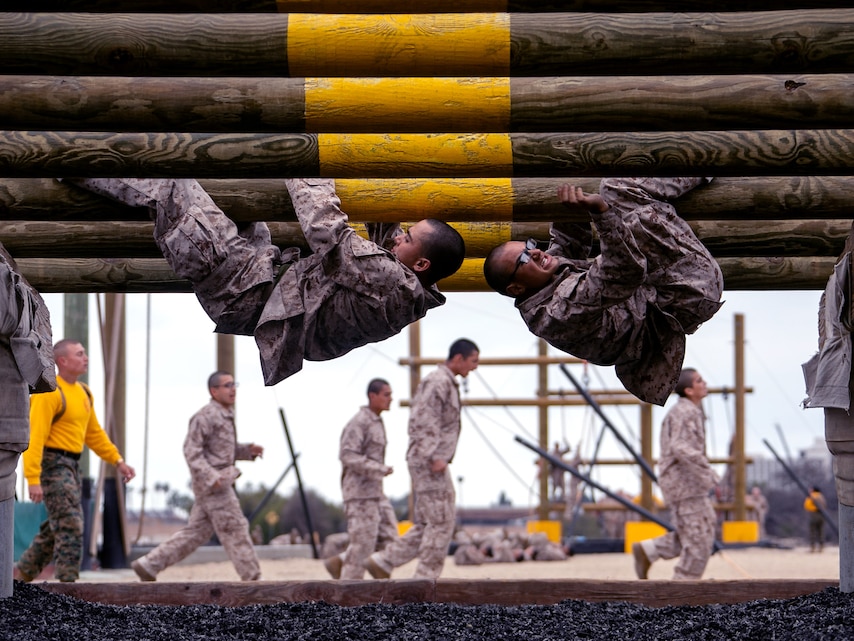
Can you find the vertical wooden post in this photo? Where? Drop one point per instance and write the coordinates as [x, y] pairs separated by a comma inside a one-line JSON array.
[[646, 454], [225, 353], [414, 379], [740, 482], [543, 410]]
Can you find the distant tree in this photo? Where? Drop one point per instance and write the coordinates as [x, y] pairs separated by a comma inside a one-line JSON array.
[[282, 514]]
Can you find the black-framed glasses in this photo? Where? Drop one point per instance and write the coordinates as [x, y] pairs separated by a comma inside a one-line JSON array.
[[524, 257], [230, 385]]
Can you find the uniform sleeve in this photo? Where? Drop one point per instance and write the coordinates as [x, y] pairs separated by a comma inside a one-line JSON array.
[[352, 450], [203, 473], [243, 453], [570, 240], [43, 407], [318, 210], [427, 415]]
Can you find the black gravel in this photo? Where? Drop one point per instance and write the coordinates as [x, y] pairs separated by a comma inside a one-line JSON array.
[[34, 614]]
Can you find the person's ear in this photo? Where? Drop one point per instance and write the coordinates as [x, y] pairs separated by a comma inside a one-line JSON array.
[[421, 265], [515, 289]]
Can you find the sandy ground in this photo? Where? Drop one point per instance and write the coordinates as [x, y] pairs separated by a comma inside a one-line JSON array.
[[746, 563]]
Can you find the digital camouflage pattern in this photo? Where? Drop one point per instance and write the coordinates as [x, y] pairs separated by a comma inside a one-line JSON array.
[[349, 292], [434, 429], [653, 283], [211, 449]]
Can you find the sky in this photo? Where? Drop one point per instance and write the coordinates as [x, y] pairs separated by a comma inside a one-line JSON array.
[[180, 349]]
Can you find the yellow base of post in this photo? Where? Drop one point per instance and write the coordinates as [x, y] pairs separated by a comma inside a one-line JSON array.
[[740, 532], [403, 527], [552, 529], [640, 531]]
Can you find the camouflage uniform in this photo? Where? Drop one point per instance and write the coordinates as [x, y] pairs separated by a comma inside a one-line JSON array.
[[351, 291], [211, 448], [434, 428], [369, 524], [652, 284], [686, 478], [26, 364], [60, 538]]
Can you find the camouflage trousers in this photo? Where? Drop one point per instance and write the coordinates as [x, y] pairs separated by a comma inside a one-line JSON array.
[[60, 538], [371, 525], [430, 535], [692, 541], [230, 268], [220, 513]]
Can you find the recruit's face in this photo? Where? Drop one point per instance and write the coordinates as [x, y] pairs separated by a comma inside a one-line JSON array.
[[409, 246], [225, 392], [531, 268]]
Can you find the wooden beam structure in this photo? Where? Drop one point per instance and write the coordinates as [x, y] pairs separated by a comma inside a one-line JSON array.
[[492, 200], [426, 44], [767, 152], [459, 591], [426, 105]]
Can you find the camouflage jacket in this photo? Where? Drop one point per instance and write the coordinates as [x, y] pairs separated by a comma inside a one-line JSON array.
[[434, 423], [349, 292], [211, 448], [362, 455], [684, 470]]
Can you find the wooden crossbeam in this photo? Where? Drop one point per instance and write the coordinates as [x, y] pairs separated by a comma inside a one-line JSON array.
[[409, 6], [519, 200], [134, 239], [428, 44], [712, 153], [139, 275], [426, 105], [461, 591]]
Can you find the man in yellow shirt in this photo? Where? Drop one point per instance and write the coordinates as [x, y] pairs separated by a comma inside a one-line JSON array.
[[814, 504], [61, 423]]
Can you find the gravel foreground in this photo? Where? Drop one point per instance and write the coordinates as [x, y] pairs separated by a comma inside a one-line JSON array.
[[33, 614]]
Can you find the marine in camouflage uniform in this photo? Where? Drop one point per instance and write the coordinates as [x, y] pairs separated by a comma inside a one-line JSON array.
[[61, 423], [349, 292], [631, 306], [26, 365], [211, 449], [434, 429], [686, 481], [371, 523]]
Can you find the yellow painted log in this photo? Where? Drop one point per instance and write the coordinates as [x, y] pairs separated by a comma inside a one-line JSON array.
[[436, 104], [423, 44], [357, 155]]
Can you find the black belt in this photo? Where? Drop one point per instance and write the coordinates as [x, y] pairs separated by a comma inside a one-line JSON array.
[[54, 450]]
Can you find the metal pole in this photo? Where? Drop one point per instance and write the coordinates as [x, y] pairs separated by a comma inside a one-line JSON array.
[[272, 491], [596, 408], [801, 485], [299, 485]]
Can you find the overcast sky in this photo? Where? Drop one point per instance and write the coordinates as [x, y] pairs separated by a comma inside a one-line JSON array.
[[780, 331]]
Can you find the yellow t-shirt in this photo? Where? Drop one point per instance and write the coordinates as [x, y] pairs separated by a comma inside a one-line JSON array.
[[78, 426], [809, 504]]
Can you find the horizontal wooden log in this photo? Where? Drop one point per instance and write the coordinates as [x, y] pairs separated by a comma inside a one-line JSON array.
[[454, 200], [426, 105], [409, 6], [459, 591], [130, 239], [139, 275], [431, 44], [34, 154]]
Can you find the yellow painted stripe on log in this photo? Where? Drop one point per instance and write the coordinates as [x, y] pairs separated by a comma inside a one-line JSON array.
[[406, 155], [398, 44], [481, 199], [392, 104], [479, 238], [469, 278]]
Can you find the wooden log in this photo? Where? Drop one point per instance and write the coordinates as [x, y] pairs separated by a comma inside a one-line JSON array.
[[459, 591], [34, 154], [426, 105], [409, 6], [429, 44], [134, 239], [517, 200], [140, 275]]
